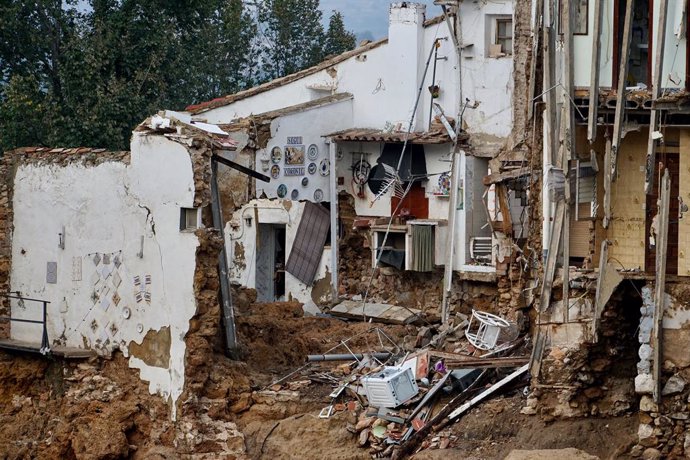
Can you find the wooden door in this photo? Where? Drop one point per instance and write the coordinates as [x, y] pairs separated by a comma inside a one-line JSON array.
[[670, 161], [415, 204], [265, 263]]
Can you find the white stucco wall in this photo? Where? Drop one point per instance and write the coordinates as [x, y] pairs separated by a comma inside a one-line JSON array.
[[105, 211], [310, 125], [240, 237], [385, 80]]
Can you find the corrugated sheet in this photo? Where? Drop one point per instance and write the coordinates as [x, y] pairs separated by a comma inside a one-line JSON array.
[[307, 249]]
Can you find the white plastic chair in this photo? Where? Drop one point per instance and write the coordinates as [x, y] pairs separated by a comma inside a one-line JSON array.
[[484, 334]]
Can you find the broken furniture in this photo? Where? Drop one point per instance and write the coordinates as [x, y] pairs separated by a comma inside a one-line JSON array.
[[484, 329], [390, 387]]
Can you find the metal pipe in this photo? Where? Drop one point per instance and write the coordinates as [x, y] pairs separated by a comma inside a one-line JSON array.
[[347, 357]]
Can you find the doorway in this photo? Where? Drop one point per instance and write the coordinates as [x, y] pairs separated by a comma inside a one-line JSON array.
[[640, 59], [270, 262], [664, 160]]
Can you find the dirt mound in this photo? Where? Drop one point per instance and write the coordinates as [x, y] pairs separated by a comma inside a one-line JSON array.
[[275, 337]]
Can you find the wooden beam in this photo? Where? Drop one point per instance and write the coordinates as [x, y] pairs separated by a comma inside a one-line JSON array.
[[660, 282], [594, 73], [608, 179], [552, 256], [549, 79], [534, 62], [568, 142], [504, 205], [620, 94], [495, 178], [484, 394], [656, 90]]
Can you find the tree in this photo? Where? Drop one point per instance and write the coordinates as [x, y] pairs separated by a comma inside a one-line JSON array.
[[293, 36], [338, 39]]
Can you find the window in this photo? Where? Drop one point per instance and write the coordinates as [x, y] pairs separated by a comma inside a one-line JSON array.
[[504, 36], [189, 219]]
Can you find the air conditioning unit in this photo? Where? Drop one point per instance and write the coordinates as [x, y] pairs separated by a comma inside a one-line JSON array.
[[390, 387]]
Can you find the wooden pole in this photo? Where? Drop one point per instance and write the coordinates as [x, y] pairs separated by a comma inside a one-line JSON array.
[[620, 95], [608, 179], [660, 282], [656, 90], [450, 244], [594, 73], [552, 256]]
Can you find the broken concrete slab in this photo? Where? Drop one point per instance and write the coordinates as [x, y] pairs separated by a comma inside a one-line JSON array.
[[377, 312]]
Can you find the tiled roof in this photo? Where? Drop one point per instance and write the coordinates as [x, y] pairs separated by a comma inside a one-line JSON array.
[[70, 150], [435, 136]]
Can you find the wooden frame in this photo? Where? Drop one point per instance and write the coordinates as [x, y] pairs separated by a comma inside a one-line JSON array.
[[498, 37], [581, 19]]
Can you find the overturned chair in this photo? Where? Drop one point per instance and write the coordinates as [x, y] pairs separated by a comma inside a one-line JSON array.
[[484, 328]]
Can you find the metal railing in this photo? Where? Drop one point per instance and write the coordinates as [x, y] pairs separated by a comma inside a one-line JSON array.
[[45, 343]]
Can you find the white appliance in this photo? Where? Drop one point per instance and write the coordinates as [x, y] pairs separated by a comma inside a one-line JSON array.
[[390, 387]]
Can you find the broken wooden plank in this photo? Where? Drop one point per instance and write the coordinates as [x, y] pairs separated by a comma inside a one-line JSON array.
[[620, 95], [609, 278], [656, 89], [594, 73], [660, 282], [552, 256], [537, 353], [495, 178], [430, 394], [377, 312], [488, 392], [608, 179], [507, 222], [493, 363]]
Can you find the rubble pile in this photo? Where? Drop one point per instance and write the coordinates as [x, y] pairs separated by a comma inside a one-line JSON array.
[[591, 379]]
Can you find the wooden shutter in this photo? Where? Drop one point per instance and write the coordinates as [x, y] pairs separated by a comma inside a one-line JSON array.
[[307, 248]]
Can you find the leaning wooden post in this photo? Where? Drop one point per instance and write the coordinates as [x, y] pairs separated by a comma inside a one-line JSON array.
[[594, 73], [620, 95], [656, 89], [660, 282]]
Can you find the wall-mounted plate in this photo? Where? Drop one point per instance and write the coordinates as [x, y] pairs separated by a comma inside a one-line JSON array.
[[325, 167], [282, 190], [276, 154], [295, 194], [318, 195], [275, 171], [311, 169], [305, 181], [313, 152], [126, 313]]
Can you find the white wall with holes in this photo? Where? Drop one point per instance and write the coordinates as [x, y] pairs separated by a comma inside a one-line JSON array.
[[125, 269]]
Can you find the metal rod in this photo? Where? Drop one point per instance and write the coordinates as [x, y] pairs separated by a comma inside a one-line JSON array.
[[347, 357], [45, 343], [33, 321], [433, 82], [10, 296]]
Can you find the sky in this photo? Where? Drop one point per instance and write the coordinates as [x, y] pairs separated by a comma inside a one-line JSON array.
[[368, 18]]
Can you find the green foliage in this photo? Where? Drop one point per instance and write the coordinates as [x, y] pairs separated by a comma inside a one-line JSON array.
[[338, 39], [76, 76]]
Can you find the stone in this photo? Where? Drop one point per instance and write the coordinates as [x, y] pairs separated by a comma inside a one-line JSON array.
[[651, 454], [528, 410], [679, 416], [674, 385], [645, 329], [644, 384], [686, 444], [647, 404], [645, 418], [644, 367], [645, 352]]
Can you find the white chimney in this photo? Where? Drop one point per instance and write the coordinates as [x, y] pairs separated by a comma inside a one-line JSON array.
[[405, 42]]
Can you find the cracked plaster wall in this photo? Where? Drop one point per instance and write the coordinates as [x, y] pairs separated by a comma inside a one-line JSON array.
[[106, 210]]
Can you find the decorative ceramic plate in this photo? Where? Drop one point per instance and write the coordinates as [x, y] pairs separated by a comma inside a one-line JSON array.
[[325, 167], [313, 152], [282, 190], [318, 195], [276, 154], [444, 184], [126, 313], [360, 172], [275, 171], [311, 168], [294, 194], [305, 181]]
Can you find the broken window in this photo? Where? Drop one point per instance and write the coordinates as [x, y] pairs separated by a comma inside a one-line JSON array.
[[189, 219]]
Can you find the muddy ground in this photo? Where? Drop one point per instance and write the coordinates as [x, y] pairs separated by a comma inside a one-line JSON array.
[[100, 409]]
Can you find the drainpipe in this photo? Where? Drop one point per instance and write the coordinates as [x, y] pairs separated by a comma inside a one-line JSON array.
[[332, 148]]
